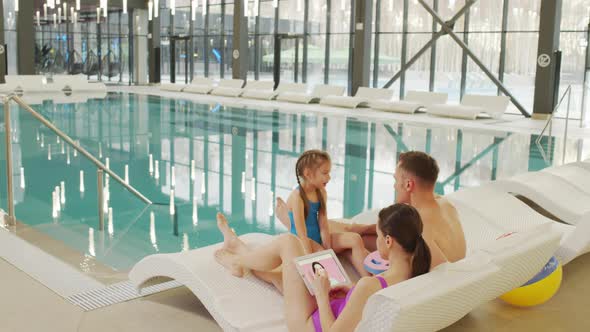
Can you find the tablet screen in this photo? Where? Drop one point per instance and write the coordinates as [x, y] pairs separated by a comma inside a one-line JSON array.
[[321, 262]]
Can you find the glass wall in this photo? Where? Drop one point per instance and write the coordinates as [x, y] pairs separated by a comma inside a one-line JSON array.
[[97, 50], [318, 43], [316, 53], [10, 35], [574, 47], [452, 71]]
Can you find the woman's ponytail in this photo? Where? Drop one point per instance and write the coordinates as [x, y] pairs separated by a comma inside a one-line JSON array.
[[403, 222], [421, 259]]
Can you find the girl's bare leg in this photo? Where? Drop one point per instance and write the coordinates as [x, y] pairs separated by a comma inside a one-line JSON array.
[[354, 242], [299, 304], [236, 257]]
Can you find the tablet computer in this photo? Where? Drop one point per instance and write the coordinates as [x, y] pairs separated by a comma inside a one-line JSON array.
[[321, 262]]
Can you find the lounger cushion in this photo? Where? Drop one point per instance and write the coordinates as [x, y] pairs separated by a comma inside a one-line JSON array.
[[227, 92], [362, 98], [79, 84], [413, 102], [456, 111], [172, 87], [259, 94], [199, 89], [297, 97], [473, 106], [232, 84], [396, 106], [343, 101]]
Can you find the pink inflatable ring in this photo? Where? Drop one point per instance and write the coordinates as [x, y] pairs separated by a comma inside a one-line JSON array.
[[375, 264]]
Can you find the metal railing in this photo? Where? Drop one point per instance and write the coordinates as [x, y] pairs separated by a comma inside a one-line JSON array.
[[549, 125], [101, 167]]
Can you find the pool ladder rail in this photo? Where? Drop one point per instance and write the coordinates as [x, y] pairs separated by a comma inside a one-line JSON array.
[[549, 124], [10, 218]]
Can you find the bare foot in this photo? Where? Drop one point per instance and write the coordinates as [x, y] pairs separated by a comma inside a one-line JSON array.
[[228, 260], [231, 242], [282, 212]]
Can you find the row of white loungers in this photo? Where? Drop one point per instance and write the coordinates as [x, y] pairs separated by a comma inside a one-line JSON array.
[[415, 101], [33, 84], [471, 107], [262, 90], [273, 94], [434, 103], [319, 92], [362, 98]]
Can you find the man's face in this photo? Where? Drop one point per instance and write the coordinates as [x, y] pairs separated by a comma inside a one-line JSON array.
[[402, 185]]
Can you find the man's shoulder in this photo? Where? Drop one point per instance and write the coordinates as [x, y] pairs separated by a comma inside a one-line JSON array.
[[444, 214]]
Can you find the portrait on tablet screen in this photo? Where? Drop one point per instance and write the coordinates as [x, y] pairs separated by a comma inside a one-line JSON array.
[[324, 265]]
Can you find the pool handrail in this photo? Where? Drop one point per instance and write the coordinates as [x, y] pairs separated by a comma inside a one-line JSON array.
[[101, 167]]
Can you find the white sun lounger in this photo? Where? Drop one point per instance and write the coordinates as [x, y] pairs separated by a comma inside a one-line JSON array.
[[319, 92], [473, 106], [77, 84], [577, 174], [414, 102], [250, 86], [487, 212], [270, 94], [9, 87], [60, 98], [201, 85], [227, 84], [497, 212], [172, 87], [361, 99], [27, 84], [451, 290], [550, 192]]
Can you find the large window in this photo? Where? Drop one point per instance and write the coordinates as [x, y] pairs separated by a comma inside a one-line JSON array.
[[99, 51]]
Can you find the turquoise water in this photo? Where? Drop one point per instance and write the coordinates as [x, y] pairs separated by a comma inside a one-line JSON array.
[[243, 159]]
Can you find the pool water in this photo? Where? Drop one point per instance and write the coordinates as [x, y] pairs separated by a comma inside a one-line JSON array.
[[243, 159]]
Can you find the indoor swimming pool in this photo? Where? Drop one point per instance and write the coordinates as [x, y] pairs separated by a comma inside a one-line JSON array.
[[222, 158]]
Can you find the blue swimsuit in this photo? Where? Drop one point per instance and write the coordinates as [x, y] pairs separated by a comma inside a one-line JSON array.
[[311, 222]]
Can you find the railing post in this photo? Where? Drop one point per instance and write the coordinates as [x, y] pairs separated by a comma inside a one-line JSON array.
[[567, 119], [8, 139], [100, 200]]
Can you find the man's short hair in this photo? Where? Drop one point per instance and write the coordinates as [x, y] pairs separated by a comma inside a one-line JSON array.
[[421, 165]]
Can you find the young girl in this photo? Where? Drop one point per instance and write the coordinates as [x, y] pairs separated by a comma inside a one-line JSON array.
[[307, 211]]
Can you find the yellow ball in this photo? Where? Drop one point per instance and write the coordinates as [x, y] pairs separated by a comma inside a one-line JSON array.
[[539, 289]]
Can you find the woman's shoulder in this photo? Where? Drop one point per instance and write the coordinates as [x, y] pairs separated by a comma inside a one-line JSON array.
[[368, 284]]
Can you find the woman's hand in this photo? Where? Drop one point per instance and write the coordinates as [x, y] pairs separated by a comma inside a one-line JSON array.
[[321, 285]]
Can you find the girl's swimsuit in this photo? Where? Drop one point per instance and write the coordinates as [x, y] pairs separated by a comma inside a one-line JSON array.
[[312, 223], [338, 305]]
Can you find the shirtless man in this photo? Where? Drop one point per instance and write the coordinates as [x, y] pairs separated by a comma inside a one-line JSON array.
[[415, 179]]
